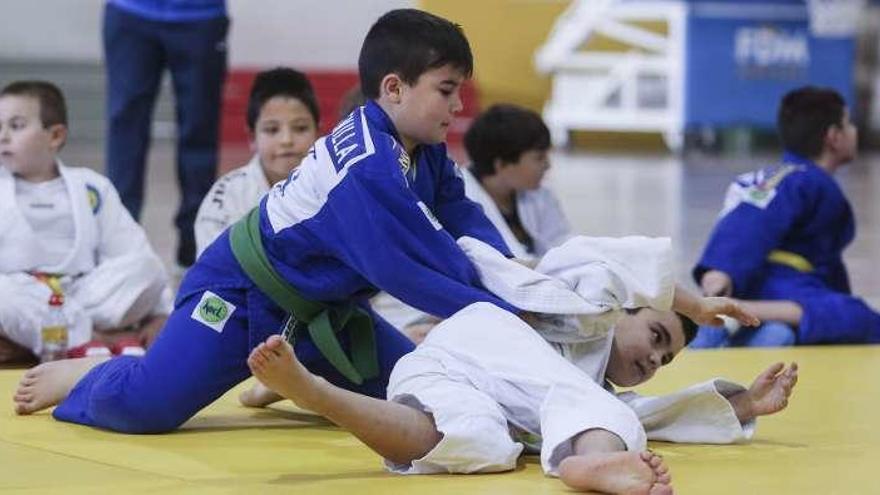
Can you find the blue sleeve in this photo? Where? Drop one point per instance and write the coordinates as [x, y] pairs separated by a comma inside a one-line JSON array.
[[743, 238], [377, 226], [462, 216]]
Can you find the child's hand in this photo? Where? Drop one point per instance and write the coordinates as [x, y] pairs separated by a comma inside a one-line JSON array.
[[708, 308], [769, 392]]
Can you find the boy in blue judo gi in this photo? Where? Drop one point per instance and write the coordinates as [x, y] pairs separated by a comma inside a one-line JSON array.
[[781, 236], [376, 205]]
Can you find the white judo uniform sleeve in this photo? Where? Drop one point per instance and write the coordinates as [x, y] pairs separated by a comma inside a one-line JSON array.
[[698, 414]]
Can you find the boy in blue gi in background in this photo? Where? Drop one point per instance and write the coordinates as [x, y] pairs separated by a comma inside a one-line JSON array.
[[781, 236], [374, 205]]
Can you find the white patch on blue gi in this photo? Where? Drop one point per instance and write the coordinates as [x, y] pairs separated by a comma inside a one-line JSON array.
[[213, 311]]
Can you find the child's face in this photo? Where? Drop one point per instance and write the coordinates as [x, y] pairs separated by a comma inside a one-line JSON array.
[[526, 173], [427, 108], [283, 134], [27, 148], [643, 342]]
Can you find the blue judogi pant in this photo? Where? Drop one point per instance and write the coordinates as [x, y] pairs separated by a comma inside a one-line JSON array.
[[137, 51], [768, 334], [191, 365]]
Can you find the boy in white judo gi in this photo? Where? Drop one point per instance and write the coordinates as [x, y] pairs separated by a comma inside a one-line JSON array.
[[282, 123], [508, 148], [485, 385], [67, 224]]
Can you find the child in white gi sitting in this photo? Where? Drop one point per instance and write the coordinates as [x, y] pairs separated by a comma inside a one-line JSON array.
[[66, 225], [508, 148], [282, 123], [485, 384]]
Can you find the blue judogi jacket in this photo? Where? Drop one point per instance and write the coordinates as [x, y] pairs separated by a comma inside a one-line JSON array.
[[781, 236], [359, 215]]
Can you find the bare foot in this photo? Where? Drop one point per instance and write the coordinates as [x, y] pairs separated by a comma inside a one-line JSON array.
[[258, 396], [625, 473], [276, 366], [49, 383]]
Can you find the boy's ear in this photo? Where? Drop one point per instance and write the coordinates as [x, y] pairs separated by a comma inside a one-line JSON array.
[[391, 87], [57, 136]]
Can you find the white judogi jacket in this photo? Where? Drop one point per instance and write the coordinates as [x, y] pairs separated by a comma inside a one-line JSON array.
[[229, 199], [110, 278], [538, 210], [494, 385]]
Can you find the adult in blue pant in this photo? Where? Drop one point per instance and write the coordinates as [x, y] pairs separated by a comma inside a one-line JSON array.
[[141, 39]]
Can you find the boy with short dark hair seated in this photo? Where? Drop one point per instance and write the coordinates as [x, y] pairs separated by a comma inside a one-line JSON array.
[[779, 243], [508, 147]]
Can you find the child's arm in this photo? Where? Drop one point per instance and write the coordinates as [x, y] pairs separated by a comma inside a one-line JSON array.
[[460, 215], [375, 224], [705, 310], [768, 394], [716, 411], [761, 218]]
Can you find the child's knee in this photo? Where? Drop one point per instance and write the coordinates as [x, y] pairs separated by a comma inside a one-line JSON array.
[[121, 402], [709, 337]]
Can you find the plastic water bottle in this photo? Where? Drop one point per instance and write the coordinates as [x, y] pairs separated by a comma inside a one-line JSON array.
[[54, 331]]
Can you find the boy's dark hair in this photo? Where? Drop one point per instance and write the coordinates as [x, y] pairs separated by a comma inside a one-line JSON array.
[[409, 42], [280, 81], [505, 132], [53, 109], [805, 114], [688, 327]]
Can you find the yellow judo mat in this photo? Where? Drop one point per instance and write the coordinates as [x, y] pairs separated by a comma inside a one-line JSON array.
[[824, 443]]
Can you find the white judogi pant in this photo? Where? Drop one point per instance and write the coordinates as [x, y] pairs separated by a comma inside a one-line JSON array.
[[483, 369]]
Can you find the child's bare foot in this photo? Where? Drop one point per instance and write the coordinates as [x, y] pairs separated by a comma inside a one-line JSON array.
[[625, 473], [274, 363], [258, 396], [49, 383]]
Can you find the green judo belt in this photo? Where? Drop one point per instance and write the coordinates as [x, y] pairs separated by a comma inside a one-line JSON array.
[[323, 321]]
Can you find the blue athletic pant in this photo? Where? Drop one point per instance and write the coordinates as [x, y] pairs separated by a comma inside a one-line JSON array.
[[769, 334], [190, 365], [137, 51]]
